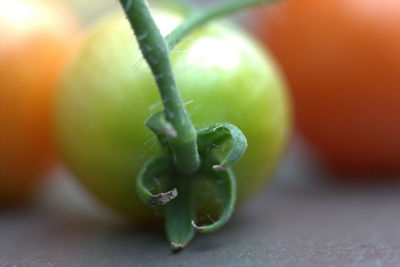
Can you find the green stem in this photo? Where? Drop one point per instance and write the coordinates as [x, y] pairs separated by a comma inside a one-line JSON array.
[[156, 52], [180, 5], [202, 17]]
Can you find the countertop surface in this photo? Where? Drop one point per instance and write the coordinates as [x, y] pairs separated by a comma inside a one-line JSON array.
[[303, 218]]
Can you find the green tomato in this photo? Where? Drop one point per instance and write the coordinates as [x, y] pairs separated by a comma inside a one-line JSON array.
[[108, 92]]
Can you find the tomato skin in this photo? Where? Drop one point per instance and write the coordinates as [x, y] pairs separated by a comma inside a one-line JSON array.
[[342, 61], [108, 93], [35, 37]]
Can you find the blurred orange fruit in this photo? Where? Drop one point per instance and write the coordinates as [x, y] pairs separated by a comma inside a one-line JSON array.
[[35, 41], [342, 61]]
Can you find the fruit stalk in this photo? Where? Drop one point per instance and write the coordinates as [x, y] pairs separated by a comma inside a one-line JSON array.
[[156, 52], [200, 18]]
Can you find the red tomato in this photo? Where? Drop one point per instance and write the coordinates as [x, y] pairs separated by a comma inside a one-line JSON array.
[[34, 42], [342, 61]]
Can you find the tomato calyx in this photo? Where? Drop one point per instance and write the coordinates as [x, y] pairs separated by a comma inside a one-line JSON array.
[[209, 137], [180, 201], [154, 167], [225, 183]]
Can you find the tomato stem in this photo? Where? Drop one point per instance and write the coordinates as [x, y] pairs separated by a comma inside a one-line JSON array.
[[180, 5], [156, 52], [202, 17]]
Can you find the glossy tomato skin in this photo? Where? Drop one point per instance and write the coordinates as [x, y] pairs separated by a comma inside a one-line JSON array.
[[342, 61], [35, 39], [108, 93]]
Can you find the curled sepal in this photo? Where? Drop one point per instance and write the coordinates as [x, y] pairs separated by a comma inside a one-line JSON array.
[[155, 166], [158, 123], [209, 138], [225, 183], [180, 213]]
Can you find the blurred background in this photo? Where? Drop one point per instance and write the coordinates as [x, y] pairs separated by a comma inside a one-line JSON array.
[[334, 199]]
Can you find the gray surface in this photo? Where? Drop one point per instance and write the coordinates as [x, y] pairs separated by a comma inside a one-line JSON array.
[[299, 220]]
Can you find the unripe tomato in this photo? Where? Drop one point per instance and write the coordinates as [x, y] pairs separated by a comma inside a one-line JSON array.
[[108, 93], [342, 61], [34, 42]]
